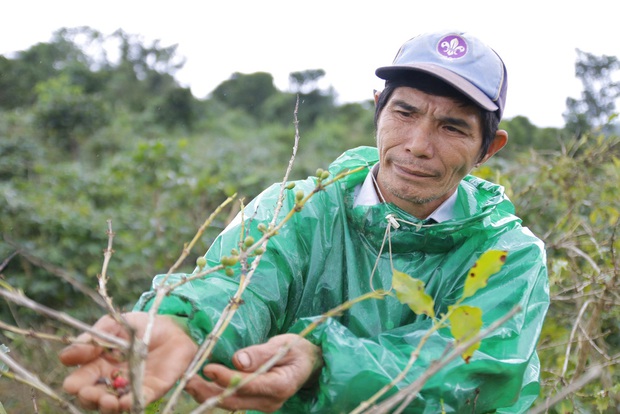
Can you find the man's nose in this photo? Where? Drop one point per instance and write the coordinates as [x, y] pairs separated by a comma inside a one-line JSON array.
[[419, 140]]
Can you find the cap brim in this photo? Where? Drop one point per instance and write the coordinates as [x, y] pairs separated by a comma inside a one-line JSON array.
[[466, 87]]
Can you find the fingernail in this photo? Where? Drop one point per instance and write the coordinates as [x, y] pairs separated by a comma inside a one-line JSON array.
[[244, 359]]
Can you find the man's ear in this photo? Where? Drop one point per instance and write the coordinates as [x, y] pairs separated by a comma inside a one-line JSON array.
[[501, 138], [377, 94]]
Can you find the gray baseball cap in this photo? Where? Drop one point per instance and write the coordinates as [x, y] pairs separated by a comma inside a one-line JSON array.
[[460, 60]]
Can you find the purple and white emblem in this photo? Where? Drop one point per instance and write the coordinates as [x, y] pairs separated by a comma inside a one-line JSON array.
[[452, 46]]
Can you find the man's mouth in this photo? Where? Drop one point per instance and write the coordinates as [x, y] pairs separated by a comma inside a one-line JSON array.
[[413, 171]]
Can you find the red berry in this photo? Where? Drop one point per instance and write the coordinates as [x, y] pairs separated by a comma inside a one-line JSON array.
[[120, 382]]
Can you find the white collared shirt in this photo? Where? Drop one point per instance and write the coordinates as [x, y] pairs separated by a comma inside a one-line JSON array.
[[366, 195]]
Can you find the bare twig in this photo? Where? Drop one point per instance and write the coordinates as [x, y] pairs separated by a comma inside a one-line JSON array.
[[138, 348], [283, 350], [136, 352], [6, 261], [30, 333], [572, 335], [26, 377], [62, 273], [205, 349], [593, 344], [34, 401], [189, 246], [590, 375], [564, 343], [408, 393], [103, 277], [291, 161], [581, 253], [163, 289], [21, 299], [227, 314]]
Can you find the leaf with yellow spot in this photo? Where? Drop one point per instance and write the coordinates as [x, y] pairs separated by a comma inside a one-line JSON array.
[[488, 264], [465, 323], [410, 291]]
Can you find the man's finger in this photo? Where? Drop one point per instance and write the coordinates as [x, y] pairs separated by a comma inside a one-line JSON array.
[[260, 403], [270, 386], [83, 351], [251, 358], [79, 354], [261, 394], [83, 376], [97, 397], [200, 390]]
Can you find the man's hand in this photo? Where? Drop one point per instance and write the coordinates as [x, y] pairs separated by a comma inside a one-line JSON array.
[[298, 368], [170, 352]]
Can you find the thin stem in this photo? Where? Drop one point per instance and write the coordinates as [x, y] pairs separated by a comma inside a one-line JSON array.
[[22, 300], [289, 167], [26, 377], [412, 359], [572, 335], [60, 272], [406, 394], [590, 375], [283, 350], [207, 346], [103, 277]]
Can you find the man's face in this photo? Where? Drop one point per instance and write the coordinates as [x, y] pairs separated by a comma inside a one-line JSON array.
[[427, 144]]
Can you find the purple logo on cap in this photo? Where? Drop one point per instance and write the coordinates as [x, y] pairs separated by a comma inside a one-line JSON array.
[[452, 46]]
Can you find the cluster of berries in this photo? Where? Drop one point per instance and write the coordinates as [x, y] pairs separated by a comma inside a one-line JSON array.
[[117, 383]]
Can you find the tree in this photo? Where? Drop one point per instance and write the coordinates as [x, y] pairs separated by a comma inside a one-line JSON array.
[[525, 136], [177, 107], [143, 71], [305, 81], [37, 64], [66, 115], [600, 92], [246, 91]]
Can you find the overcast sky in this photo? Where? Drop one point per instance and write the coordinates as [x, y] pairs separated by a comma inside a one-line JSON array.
[[349, 39]]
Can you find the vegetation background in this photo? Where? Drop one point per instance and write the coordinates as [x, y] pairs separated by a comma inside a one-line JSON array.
[[84, 139]]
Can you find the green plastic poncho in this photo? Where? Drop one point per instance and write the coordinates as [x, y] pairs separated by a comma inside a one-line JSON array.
[[325, 255]]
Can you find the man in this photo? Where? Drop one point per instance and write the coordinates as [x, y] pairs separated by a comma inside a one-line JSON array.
[[414, 209]]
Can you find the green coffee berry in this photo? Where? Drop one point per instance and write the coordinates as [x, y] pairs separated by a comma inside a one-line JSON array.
[[249, 240], [259, 251], [201, 262], [299, 195], [235, 380], [229, 260], [229, 272], [290, 186]]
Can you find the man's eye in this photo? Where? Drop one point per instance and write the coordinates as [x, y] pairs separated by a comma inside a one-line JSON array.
[[453, 129]]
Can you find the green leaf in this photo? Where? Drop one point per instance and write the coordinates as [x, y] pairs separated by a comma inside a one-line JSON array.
[[410, 291], [488, 264], [465, 323], [2, 411], [153, 408], [602, 402]]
